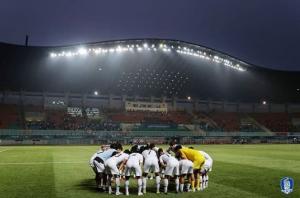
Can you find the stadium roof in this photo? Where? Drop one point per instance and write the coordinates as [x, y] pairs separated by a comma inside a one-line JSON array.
[[143, 67]]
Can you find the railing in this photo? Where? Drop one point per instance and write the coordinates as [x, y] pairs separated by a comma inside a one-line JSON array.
[[16, 132]]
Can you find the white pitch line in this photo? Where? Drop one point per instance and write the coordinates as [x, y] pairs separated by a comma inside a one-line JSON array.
[[38, 163]]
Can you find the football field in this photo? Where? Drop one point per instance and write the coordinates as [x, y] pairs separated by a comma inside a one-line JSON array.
[[63, 171]]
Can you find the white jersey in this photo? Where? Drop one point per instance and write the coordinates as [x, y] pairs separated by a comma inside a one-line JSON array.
[[133, 164], [172, 164], [92, 159], [115, 160], [135, 158], [149, 154], [118, 158], [208, 162], [151, 161], [186, 167], [166, 158]]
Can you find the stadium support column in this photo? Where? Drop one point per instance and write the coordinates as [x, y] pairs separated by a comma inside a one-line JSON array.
[[110, 103], [195, 105], [174, 103], [2, 97], [124, 98], [151, 99], [67, 98], [286, 107], [208, 105], [83, 101], [45, 99]]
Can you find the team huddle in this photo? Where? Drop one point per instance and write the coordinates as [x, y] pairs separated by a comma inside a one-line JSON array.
[[187, 167]]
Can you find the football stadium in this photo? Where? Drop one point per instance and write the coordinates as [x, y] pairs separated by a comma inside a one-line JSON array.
[[142, 97]]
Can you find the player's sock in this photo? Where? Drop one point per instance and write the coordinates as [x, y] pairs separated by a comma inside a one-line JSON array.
[[206, 181], [117, 185], [188, 186], [203, 182], [127, 187], [198, 182], [177, 184], [166, 183], [193, 185], [144, 184], [157, 179], [181, 187], [140, 184]]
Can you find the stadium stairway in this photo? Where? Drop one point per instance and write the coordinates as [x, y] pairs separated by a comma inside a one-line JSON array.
[[265, 129]]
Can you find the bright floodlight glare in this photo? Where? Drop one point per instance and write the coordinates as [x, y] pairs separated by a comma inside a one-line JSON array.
[[145, 45], [52, 55], [96, 93], [82, 51], [264, 102], [189, 98]]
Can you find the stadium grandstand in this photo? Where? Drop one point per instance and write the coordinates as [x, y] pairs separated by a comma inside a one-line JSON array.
[[141, 89]]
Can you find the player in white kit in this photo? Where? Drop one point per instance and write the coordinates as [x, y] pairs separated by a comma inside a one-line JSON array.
[[118, 159], [150, 162], [97, 164], [207, 167], [186, 170], [171, 166], [134, 163]]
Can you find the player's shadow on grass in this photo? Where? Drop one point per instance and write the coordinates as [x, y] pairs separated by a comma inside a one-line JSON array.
[[89, 185]]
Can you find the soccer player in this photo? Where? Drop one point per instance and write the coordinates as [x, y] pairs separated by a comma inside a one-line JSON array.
[[197, 159], [119, 158], [134, 162], [186, 170], [171, 166], [97, 163], [150, 162], [207, 167], [172, 146]]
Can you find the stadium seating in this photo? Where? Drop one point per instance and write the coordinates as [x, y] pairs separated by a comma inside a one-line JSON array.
[[37, 118], [9, 116], [276, 122]]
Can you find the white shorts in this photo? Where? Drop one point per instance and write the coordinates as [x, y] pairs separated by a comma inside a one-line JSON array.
[[112, 168], [172, 169], [151, 164], [186, 167], [133, 167], [99, 167], [207, 166]]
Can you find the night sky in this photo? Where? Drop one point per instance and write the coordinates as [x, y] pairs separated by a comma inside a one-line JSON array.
[[262, 32]]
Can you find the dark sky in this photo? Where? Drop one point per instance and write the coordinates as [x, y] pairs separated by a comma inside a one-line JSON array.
[[262, 32]]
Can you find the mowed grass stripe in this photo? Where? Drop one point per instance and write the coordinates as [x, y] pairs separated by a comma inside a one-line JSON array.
[[229, 178], [253, 179], [27, 181], [262, 162], [4, 150]]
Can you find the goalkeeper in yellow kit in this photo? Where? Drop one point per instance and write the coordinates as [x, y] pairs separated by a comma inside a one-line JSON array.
[[196, 157]]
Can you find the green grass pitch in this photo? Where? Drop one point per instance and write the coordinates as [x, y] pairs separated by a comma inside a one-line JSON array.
[[63, 171]]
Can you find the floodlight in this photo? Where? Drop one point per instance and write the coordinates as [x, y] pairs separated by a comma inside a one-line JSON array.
[[52, 55], [82, 51]]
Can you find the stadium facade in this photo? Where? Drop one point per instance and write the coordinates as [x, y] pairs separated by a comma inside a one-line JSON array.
[[78, 95]]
